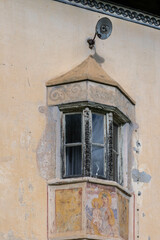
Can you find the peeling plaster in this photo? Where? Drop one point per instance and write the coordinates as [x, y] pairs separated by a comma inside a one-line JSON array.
[[143, 214], [138, 146], [138, 176], [133, 127], [46, 150]]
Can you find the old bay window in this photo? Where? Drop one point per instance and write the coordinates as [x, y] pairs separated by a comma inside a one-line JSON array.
[[90, 123], [96, 116], [91, 144]]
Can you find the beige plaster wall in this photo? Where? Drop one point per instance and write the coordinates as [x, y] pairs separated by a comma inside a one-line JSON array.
[[40, 40]]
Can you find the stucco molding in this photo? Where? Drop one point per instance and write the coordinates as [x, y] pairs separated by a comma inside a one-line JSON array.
[[116, 11], [70, 181]]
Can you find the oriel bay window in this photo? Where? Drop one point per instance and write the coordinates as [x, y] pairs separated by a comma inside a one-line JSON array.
[[91, 144]]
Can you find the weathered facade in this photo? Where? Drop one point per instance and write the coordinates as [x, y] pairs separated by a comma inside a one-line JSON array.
[[43, 40]]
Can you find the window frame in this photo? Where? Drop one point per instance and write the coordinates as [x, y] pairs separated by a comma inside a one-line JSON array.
[[65, 145], [110, 117]]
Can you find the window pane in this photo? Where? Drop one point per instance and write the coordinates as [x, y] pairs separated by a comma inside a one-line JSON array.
[[73, 160], [97, 128], [97, 160], [73, 128]]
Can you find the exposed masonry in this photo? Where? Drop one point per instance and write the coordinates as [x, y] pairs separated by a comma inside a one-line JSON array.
[[116, 11]]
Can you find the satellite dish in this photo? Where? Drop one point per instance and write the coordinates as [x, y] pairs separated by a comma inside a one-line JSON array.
[[104, 28], [103, 31]]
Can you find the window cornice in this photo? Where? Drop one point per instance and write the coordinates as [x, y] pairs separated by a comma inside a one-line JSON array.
[[102, 108]]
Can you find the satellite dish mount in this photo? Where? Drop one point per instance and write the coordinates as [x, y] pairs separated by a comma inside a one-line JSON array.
[[103, 31]]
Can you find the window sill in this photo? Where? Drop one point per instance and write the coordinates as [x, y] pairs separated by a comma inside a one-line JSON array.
[[57, 181]]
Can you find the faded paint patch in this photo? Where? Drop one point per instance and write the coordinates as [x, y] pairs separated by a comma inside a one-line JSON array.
[[46, 150], [138, 176], [9, 236], [68, 210], [21, 193], [123, 213], [30, 187]]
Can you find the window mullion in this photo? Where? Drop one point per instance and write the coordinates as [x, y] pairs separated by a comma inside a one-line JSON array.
[[63, 148], [120, 161], [87, 141], [110, 172]]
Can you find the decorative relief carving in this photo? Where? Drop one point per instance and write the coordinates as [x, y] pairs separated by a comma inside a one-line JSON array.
[[75, 90], [110, 96], [68, 93], [57, 94], [99, 93]]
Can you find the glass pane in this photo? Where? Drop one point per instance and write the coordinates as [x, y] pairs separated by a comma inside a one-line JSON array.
[[97, 128], [97, 160], [73, 160], [73, 128]]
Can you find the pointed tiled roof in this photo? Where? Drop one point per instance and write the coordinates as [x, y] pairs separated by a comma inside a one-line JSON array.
[[90, 70]]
